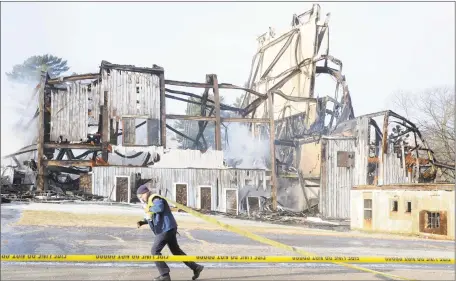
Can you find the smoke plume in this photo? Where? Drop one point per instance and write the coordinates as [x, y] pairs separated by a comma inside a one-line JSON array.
[[18, 106], [243, 150]]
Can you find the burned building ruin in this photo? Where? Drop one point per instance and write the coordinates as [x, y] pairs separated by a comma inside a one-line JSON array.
[[317, 148]]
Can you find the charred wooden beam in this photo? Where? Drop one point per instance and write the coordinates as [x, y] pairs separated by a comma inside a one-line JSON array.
[[272, 151], [185, 117], [445, 165], [84, 154], [136, 127], [40, 183], [252, 106], [275, 89], [340, 79], [162, 110], [385, 133], [296, 142], [19, 164], [209, 118], [66, 170], [158, 70], [69, 154], [381, 173], [117, 131], [61, 153], [26, 149], [188, 84], [218, 130], [223, 106], [209, 85], [105, 128], [186, 100], [179, 133], [378, 132], [112, 132], [73, 146], [233, 87], [244, 120], [69, 163], [201, 132], [61, 80], [290, 143], [203, 107]]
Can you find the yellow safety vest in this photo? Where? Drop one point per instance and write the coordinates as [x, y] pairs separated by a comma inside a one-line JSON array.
[[149, 205]]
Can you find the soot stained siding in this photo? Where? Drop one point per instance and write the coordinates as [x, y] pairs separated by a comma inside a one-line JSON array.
[[69, 112], [165, 179], [132, 93]]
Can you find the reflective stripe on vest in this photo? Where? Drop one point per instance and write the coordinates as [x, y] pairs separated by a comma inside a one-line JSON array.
[[149, 205]]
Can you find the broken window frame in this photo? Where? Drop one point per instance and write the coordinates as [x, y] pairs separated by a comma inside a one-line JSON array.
[[148, 134], [248, 204], [225, 191], [128, 187], [198, 203], [175, 184], [433, 220], [368, 209]]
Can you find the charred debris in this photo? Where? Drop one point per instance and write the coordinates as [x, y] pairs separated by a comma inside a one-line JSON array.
[[280, 105]]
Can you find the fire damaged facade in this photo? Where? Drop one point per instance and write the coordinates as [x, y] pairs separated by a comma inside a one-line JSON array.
[[108, 130]]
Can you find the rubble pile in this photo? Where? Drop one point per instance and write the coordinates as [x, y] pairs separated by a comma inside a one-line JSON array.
[[51, 195], [27, 193]]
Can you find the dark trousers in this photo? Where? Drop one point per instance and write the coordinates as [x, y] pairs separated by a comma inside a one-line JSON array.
[[168, 238]]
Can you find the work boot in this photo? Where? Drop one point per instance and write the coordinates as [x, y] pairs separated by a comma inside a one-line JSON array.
[[163, 278], [197, 271]]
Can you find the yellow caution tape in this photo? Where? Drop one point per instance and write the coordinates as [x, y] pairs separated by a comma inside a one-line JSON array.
[[273, 243], [221, 259]]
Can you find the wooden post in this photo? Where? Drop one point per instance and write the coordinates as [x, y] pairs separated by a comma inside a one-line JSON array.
[[162, 111], [383, 151], [272, 149], [218, 130], [105, 138], [404, 166], [417, 162], [40, 183], [417, 175]]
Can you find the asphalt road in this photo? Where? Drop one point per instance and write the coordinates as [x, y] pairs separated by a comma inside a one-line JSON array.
[[25, 239]]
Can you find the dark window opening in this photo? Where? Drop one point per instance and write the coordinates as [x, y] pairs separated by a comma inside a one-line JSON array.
[[368, 209], [367, 203], [409, 207], [137, 90], [139, 132], [395, 206], [181, 194], [367, 214], [433, 220]]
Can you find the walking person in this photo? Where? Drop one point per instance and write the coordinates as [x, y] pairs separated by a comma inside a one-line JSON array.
[[162, 222]]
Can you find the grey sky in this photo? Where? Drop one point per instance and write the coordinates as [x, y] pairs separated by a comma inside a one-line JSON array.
[[385, 47]]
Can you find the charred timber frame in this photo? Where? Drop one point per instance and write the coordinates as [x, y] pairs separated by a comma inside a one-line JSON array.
[[105, 138], [162, 110], [215, 107], [40, 183], [409, 126]]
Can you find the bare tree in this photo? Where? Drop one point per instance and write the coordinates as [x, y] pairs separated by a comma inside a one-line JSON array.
[[433, 112]]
